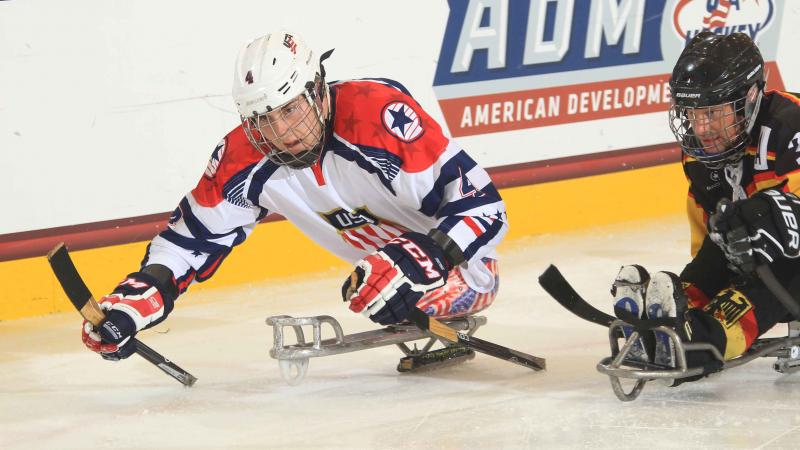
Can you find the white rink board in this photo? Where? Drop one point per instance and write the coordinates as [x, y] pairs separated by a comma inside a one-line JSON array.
[[110, 109], [55, 394]]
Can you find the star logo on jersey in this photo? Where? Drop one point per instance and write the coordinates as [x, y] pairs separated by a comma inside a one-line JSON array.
[[402, 121], [216, 158], [364, 89], [349, 123]]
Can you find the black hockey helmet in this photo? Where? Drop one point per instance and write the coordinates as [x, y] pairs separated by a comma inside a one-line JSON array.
[[716, 85]]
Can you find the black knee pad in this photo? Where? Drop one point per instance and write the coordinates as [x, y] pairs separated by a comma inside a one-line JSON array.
[[701, 327]]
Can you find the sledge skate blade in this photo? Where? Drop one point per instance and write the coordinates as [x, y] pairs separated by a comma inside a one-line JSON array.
[[436, 359], [302, 350], [620, 366]]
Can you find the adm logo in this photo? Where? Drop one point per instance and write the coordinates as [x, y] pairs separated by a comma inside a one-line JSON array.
[[722, 17]]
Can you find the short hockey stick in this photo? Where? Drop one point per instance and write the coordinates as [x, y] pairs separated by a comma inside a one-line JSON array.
[[78, 293], [438, 329], [554, 283], [557, 286]]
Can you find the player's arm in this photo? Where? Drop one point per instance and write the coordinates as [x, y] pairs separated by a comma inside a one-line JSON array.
[[471, 215], [439, 179], [764, 227], [208, 223], [784, 143], [707, 272], [471, 220]]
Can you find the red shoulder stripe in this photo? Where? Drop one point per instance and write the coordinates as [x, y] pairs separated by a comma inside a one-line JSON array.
[[231, 155], [792, 98], [378, 116]]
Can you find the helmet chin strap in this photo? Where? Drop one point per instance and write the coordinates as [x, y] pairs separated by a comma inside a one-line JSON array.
[[306, 158]]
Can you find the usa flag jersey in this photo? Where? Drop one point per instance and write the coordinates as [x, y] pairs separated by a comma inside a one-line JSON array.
[[387, 168]]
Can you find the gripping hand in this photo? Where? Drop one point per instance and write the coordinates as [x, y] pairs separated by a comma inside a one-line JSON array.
[[135, 304], [387, 284], [757, 230]]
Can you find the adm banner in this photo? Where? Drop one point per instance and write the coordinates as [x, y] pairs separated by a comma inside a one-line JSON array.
[[514, 65]]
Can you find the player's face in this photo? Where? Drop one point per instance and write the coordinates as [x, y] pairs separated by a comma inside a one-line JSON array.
[[717, 127], [294, 127]]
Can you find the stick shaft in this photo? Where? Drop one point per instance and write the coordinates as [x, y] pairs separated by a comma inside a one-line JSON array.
[[427, 323]]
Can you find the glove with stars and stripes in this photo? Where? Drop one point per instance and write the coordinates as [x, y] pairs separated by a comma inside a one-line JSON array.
[[387, 284]]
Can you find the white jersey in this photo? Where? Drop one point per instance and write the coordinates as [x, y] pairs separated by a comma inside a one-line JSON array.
[[386, 169]]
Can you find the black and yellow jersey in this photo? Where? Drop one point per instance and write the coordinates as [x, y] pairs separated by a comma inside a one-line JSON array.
[[772, 159]]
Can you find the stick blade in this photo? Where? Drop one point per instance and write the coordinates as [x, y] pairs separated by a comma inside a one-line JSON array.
[[73, 285], [554, 283]]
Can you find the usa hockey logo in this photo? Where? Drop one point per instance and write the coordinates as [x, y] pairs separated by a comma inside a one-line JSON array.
[[400, 120], [342, 219], [216, 158], [362, 229], [722, 17], [288, 42]]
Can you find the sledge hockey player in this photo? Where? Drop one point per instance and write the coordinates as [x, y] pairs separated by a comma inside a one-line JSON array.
[[358, 166], [740, 154]]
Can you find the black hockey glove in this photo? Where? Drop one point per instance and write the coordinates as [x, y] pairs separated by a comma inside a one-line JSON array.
[[387, 284], [757, 230]]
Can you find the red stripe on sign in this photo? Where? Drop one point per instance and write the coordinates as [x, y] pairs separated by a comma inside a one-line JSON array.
[[507, 111], [519, 110]]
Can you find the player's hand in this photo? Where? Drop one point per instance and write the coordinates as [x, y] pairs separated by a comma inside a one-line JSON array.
[[757, 230], [387, 284], [134, 305]]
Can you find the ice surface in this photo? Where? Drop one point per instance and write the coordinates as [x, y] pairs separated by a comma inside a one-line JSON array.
[[55, 394]]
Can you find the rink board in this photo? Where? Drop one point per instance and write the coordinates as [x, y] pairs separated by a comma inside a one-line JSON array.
[[277, 249]]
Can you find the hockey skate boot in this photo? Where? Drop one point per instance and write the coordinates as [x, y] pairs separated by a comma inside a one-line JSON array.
[[629, 290], [665, 298]]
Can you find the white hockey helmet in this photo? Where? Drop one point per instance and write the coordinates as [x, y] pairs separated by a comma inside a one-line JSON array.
[[279, 90]]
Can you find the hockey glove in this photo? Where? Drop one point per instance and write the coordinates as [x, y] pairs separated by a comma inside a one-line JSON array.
[[757, 230], [387, 284], [135, 304]]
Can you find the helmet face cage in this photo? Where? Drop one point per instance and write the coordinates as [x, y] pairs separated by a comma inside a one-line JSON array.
[[716, 135], [292, 134]]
